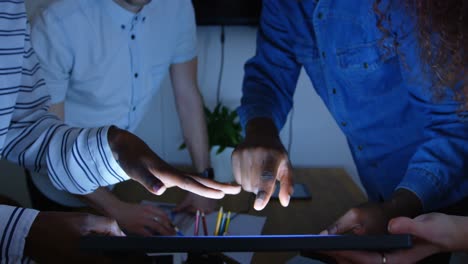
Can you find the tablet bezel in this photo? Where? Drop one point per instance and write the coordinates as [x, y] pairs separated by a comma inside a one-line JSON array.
[[261, 243]]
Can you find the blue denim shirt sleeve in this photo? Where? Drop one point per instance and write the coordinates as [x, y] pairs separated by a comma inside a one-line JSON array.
[[437, 172], [271, 75]]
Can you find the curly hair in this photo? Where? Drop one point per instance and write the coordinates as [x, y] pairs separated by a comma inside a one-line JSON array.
[[442, 29]]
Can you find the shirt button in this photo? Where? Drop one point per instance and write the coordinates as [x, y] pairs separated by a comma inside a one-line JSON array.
[[122, 26], [136, 75], [134, 108], [360, 148], [344, 124], [144, 18], [334, 91], [320, 15], [323, 54], [366, 65], [133, 37]]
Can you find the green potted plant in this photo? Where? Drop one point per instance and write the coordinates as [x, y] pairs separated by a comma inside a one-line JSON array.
[[224, 134]]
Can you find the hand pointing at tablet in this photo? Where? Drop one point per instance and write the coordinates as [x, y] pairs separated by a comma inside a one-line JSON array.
[[261, 160]]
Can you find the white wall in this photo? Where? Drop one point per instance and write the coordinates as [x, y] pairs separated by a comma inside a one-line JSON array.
[[317, 140]]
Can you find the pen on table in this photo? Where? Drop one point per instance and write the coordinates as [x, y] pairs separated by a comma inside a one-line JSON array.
[[218, 221], [197, 223], [228, 221], [178, 232], [205, 228]]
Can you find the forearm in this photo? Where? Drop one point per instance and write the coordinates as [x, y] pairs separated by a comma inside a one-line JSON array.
[[103, 201], [194, 129]]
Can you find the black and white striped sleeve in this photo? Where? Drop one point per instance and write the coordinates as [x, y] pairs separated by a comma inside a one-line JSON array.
[[14, 227], [77, 160]]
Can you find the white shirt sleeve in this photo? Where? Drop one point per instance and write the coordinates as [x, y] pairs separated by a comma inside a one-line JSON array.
[[52, 48], [186, 41], [14, 227]]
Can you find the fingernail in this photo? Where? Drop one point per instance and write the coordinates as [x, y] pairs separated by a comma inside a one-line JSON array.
[[324, 233], [288, 200], [259, 200], [156, 188], [261, 196]]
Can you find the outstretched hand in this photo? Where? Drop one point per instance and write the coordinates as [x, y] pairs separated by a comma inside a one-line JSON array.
[[146, 167], [372, 219], [261, 160]]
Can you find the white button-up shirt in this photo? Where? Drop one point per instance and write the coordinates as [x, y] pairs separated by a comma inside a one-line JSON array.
[[76, 160], [105, 62]]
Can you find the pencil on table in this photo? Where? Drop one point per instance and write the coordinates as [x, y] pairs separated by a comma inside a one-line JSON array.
[[205, 228], [178, 232], [218, 221], [197, 223], [223, 224], [228, 221]]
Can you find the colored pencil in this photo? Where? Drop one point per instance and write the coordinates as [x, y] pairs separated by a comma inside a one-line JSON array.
[[228, 221], [197, 223], [205, 228], [223, 225], [218, 221]]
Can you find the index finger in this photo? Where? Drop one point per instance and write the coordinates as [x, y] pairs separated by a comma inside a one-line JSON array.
[[104, 225], [348, 222], [188, 183], [227, 188], [267, 172]]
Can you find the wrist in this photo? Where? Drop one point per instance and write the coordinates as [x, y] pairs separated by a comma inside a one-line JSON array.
[[114, 208], [403, 203], [261, 127]]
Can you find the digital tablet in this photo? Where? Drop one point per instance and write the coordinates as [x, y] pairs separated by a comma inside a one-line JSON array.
[[260, 243]]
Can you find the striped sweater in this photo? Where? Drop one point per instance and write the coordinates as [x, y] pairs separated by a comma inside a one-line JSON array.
[[76, 160]]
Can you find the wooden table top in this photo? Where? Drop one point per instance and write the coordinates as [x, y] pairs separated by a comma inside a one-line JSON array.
[[333, 193]]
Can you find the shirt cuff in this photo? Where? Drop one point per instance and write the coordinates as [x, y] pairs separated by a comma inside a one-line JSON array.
[[57, 90], [109, 170], [425, 185], [15, 223], [184, 57]]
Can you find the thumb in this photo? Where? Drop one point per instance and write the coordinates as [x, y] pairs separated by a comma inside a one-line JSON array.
[[105, 226], [405, 225]]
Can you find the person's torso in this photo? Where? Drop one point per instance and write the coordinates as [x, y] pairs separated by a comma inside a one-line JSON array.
[[120, 60], [358, 74]]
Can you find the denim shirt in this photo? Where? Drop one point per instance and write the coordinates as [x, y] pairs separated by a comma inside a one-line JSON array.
[[400, 137]]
